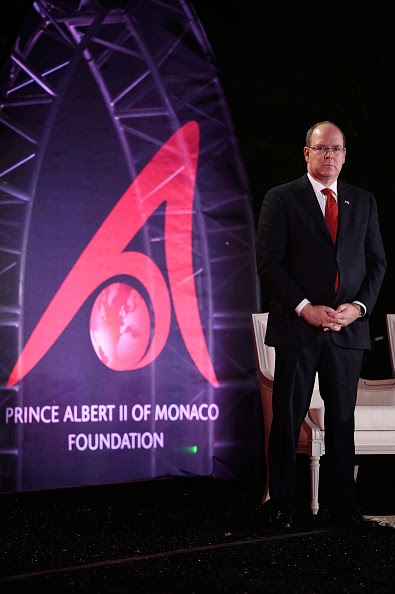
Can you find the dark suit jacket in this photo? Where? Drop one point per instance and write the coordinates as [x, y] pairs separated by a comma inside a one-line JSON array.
[[297, 259]]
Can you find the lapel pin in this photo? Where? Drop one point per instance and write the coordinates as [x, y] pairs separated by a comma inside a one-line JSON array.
[[346, 202]]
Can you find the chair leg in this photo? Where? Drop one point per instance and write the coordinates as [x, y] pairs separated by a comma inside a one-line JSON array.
[[266, 495], [314, 482], [356, 468]]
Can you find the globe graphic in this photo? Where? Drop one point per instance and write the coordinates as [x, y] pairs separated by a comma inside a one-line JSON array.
[[120, 327]]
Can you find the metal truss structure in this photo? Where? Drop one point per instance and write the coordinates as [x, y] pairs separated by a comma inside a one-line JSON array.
[[132, 51]]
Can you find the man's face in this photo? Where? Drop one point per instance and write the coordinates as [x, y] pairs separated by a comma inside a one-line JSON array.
[[326, 154]]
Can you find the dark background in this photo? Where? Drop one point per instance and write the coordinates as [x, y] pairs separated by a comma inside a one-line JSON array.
[[284, 67]]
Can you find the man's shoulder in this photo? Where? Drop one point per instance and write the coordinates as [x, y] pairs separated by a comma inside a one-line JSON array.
[[300, 182], [345, 187]]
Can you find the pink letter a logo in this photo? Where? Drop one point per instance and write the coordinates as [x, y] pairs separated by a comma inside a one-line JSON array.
[[168, 178]]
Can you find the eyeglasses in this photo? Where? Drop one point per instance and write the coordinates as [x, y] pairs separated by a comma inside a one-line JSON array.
[[321, 150]]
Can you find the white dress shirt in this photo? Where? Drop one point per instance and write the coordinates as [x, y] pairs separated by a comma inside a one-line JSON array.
[[318, 187]]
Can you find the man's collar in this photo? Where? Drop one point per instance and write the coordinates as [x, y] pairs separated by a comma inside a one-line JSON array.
[[318, 186]]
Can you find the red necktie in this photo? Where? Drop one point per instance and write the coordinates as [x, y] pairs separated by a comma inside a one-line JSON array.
[[331, 218]]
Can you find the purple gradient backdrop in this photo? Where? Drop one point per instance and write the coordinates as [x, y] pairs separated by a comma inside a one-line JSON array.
[[88, 152]]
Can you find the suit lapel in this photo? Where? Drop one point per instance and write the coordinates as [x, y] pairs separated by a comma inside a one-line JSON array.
[[310, 202], [345, 205]]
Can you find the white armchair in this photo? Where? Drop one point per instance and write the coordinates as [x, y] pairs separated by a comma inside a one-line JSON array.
[[374, 413], [390, 320], [311, 439]]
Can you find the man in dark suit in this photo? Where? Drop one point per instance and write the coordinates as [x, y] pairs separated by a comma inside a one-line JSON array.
[[324, 288]]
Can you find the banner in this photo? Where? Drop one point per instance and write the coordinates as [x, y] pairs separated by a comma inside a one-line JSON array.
[[127, 254]]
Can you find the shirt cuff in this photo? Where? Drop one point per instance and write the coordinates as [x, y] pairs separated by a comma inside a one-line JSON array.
[[362, 307], [301, 305]]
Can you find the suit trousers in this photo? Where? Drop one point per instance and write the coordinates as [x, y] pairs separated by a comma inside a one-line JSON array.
[[338, 371]]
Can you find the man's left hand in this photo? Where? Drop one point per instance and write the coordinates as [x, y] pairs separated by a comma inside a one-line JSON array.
[[345, 314]]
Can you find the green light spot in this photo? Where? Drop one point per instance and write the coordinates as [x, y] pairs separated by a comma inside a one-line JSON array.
[[189, 449]]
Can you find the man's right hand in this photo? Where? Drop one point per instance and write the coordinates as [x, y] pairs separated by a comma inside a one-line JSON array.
[[320, 316]]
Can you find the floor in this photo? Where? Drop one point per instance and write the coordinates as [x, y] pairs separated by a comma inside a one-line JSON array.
[[191, 535]]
